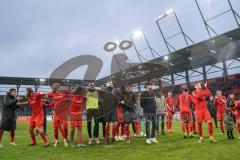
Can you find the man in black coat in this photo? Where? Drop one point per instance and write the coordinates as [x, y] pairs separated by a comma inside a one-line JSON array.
[[212, 109], [8, 120], [148, 104], [108, 104], [127, 100]]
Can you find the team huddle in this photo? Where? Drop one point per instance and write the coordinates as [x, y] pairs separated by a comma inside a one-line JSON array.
[[119, 108]]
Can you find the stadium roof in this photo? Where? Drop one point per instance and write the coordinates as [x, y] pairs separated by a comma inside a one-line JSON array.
[[40, 81], [222, 47]]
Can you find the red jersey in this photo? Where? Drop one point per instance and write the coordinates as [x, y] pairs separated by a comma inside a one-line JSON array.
[[59, 99], [184, 101], [220, 104], [76, 103], [35, 102], [169, 101], [76, 107], [237, 111], [60, 104], [200, 98]]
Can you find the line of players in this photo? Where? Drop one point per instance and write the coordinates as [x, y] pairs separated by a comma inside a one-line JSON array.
[[118, 107]]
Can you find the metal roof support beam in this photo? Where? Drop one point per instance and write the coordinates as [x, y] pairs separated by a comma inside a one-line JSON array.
[[204, 21], [18, 87], [179, 75], [187, 78], [204, 73], [135, 48], [235, 15], [213, 65], [225, 72], [231, 63], [172, 79], [160, 83], [238, 59], [194, 70], [36, 87], [164, 39], [139, 87]]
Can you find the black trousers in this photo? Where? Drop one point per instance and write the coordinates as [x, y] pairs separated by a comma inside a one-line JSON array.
[[93, 114], [214, 116]]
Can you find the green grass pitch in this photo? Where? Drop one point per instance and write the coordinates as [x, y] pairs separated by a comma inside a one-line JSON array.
[[170, 146]]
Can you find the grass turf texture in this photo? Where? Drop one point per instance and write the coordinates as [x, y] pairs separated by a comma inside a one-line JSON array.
[[170, 146]]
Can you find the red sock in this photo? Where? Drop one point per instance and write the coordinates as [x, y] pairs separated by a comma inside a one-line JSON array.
[[80, 136], [114, 129], [200, 129], [191, 127], [136, 126], [32, 134], [1, 134], [56, 133], [170, 124], [221, 126], [122, 129], [167, 124], [107, 130], [183, 127], [210, 129], [187, 127], [117, 130], [12, 135], [43, 137], [238, 128], [64, 133]]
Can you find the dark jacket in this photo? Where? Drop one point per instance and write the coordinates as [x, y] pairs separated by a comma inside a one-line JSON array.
[[8, 121], [107, 101], [228, 121], [129, 100], [147, 102], [211, 108]]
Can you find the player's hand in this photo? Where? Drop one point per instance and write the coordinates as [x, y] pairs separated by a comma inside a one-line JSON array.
[[19, 98], [205, 84]]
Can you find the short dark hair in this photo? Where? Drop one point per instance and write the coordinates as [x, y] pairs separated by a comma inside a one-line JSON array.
[[185, 89], [79, 91], [11, 90], [29, 89]]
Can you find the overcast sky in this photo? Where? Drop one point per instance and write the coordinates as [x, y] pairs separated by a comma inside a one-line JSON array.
[[36, 36]]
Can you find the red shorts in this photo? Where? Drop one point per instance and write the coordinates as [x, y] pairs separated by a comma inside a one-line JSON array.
[[36, 121], [57, 122], [75, 124], [169, 115], [185, 116], [120, 114], [220, 116], [203, 115]]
